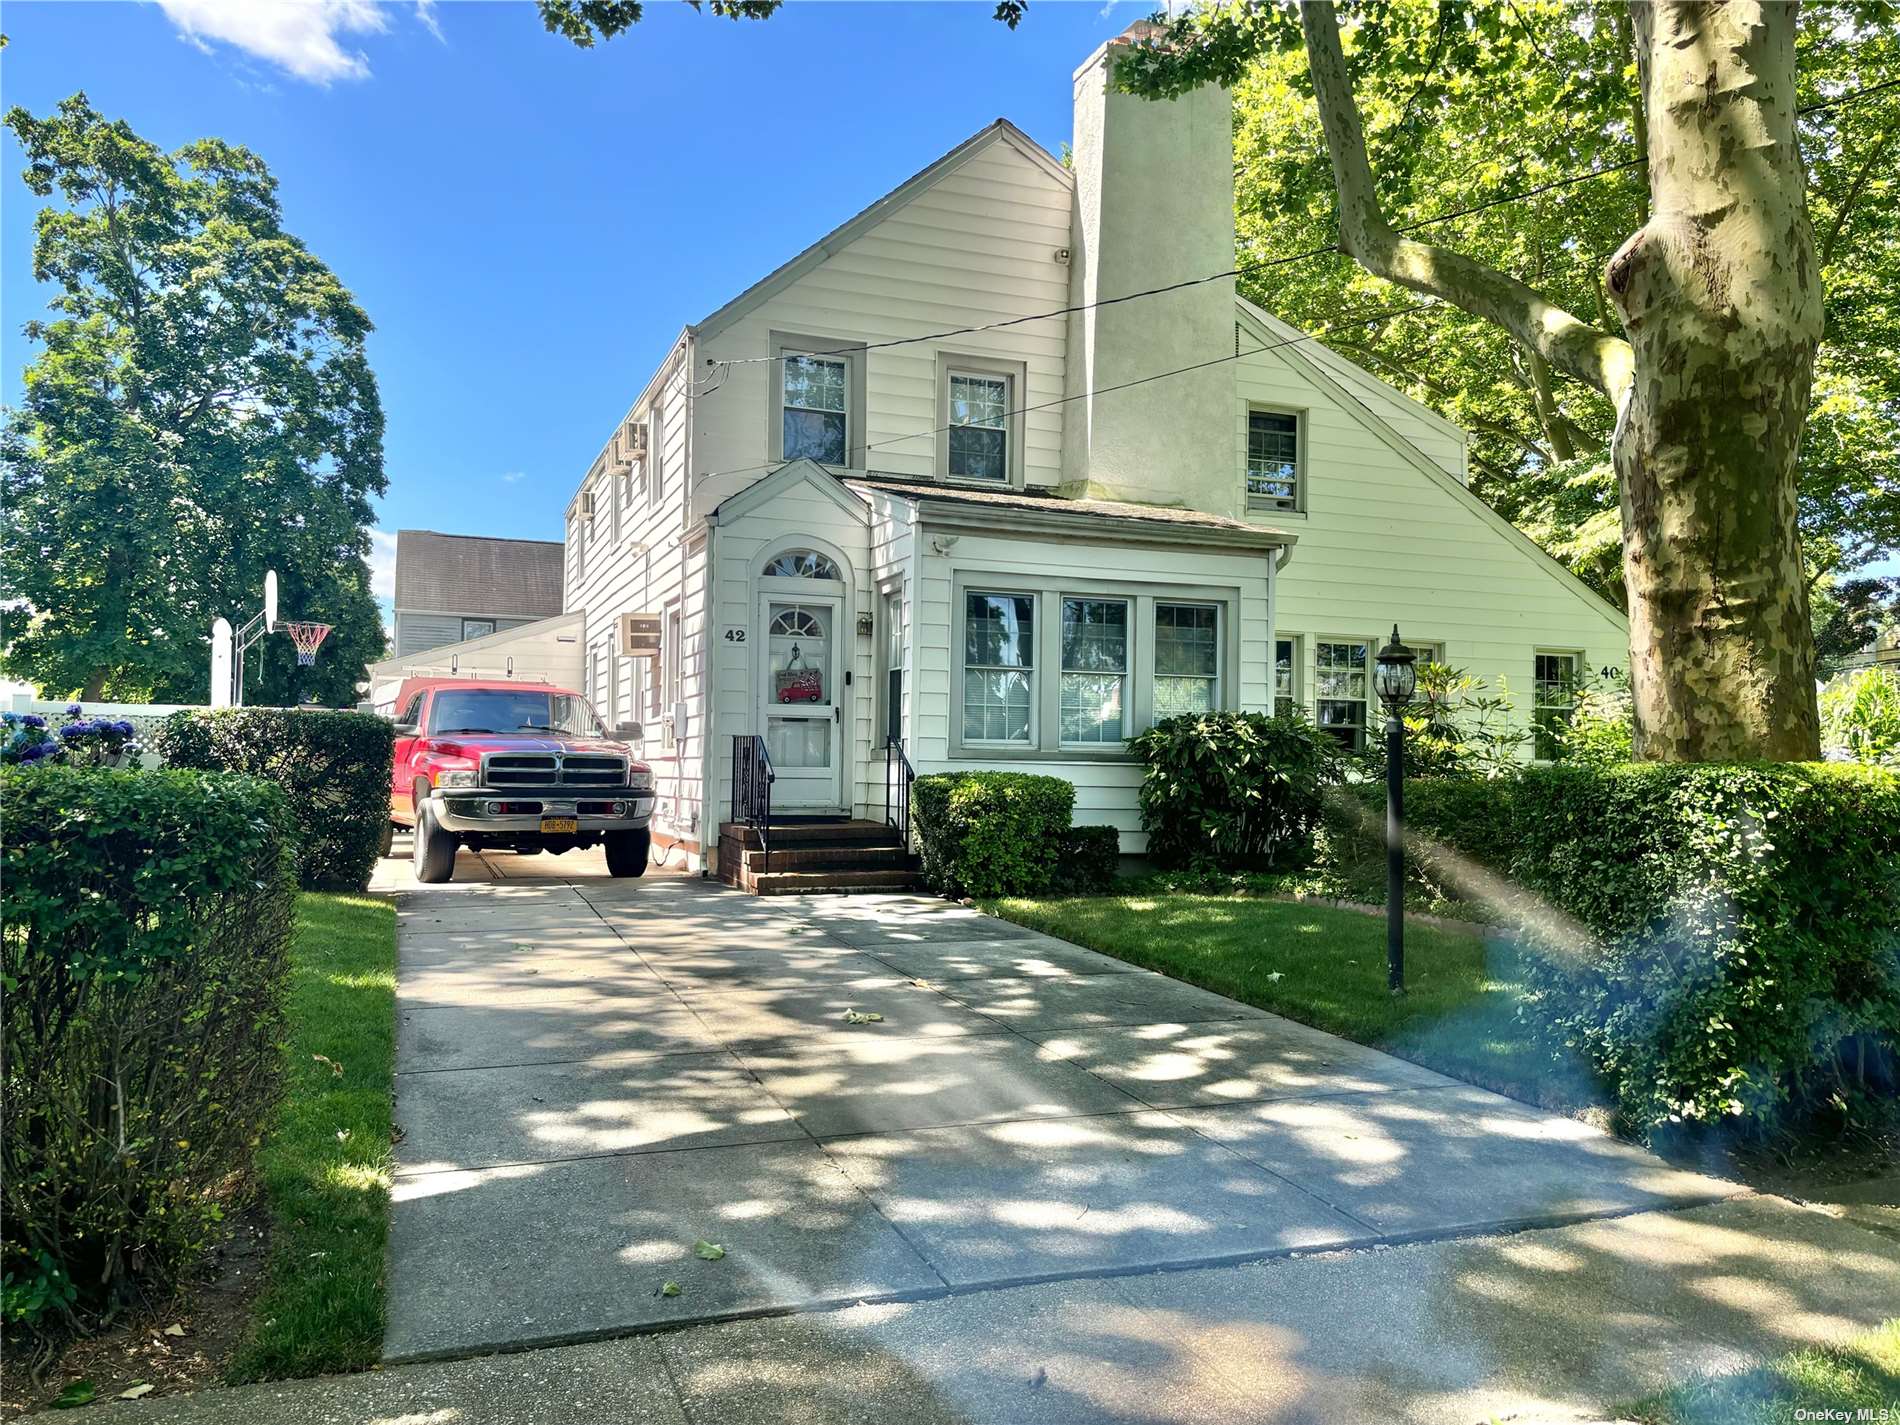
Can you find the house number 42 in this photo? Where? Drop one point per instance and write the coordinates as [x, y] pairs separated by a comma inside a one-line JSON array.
[[735, 635]]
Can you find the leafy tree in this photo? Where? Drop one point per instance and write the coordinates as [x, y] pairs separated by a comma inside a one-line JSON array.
[[202, 410]]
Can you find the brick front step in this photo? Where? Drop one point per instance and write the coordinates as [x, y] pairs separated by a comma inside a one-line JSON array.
[[815, 856]]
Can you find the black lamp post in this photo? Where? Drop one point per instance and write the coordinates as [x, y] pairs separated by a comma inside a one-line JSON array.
[[1395, 680]]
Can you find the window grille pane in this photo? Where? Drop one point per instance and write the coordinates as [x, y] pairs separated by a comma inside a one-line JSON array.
[[1094, 669], [999, 643], [978, 454], [815, 383], [1273, 457], [978, 400], [1558, 682], [1187, 640], [1340, 686], [814, 435]]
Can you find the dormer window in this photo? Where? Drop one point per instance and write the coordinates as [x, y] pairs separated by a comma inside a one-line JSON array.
[[1273, 460], [817, 419]]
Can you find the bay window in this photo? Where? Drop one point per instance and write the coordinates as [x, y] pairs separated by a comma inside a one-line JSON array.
[[1094, 671], [1187, 659], [999, 667], [1340, 669]]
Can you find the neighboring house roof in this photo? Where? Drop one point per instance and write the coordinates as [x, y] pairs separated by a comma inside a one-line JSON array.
[[1001, 131], [475, 574]]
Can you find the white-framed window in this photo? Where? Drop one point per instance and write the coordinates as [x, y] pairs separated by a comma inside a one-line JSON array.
[[1341, 682], [477, 627], [801, 564], [1094, 690], [675, 629], [577, 548], [1187, 659], [656, 454], [1557, 680], [1286, 676], [1273, 460], [816, 394], [999, 668], [979, 405]]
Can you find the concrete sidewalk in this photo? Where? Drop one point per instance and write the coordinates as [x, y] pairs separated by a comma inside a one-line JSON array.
[[594, 1075], [1550, 1325]]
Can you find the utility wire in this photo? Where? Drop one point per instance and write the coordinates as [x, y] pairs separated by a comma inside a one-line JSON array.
[[1247, 269], [1313, 335]]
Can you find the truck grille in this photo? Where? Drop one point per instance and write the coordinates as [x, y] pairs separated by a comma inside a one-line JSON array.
[[553, 769]]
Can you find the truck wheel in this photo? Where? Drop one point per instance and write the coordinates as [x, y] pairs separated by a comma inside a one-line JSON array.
[[388, 843], [435, 848], [627, 852]]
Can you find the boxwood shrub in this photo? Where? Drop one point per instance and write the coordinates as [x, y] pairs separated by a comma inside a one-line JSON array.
[[1720, 941], [333, 768], [991, 833], [1233, 790], [146, 918], [1091, 859]]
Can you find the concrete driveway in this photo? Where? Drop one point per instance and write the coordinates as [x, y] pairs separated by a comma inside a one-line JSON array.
[[595, 1075]]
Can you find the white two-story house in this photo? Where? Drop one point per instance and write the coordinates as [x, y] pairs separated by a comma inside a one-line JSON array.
[[926, 485]]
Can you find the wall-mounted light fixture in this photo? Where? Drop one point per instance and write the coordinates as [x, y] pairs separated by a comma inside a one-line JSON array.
[[865, 625]]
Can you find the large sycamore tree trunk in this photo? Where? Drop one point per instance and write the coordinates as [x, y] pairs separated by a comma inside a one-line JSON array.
[[1720, 294]]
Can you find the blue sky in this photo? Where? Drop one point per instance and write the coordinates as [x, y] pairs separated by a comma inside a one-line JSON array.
[[528, 224]]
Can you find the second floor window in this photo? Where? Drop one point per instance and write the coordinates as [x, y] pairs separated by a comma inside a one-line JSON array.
[[1273, 460], [979, 427], [816, 425]]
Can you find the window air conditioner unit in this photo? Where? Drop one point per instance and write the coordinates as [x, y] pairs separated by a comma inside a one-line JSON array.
[[635, 443], [587, 504]]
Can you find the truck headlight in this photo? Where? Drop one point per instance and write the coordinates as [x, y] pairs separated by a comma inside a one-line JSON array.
[[450, 780], [640, 781]]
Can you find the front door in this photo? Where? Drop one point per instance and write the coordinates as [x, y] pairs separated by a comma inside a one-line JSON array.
[[803, 701]]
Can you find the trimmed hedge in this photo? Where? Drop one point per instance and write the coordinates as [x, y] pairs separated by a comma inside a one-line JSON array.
[[1726, 942], [333, 767], [991, 833], [1091, 860], [146, 919], [1233, 790]]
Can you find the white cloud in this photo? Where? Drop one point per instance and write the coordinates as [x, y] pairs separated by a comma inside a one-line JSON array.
[[514, 477], [382, 564], [298, 36], [426, 17]]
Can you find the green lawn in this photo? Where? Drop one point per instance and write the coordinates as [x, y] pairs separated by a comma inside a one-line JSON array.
[[1863, 1374], [325, 1167], [1326, 967]]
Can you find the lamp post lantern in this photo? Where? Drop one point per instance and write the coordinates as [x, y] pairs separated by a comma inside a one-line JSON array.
[[1395, 679]]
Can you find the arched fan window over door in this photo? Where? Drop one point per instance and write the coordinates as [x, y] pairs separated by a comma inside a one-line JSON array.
[[796, 623], [802, 564]]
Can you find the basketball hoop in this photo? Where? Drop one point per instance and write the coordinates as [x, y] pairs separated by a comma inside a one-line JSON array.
[[307, 636]]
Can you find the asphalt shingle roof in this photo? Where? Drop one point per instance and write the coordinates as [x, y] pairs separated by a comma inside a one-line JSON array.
[[1061, 504], [474, 574]]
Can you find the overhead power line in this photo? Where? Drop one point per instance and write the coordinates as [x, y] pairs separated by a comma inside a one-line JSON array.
[[1248, 269], [1237, 355]]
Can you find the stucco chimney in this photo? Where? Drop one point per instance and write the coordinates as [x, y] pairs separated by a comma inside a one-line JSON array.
[[1154, 204]]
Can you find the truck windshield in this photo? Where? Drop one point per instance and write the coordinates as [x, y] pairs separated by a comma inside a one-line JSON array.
[[511, 710]]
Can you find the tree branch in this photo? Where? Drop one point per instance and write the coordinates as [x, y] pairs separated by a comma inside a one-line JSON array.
[[1854, 191], [1568, 344]]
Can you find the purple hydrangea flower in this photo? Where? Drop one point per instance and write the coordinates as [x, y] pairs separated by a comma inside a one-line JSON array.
[[30, 720], [73, 710]]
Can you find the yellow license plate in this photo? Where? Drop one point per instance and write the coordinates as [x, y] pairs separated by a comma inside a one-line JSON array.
[[559, 826]]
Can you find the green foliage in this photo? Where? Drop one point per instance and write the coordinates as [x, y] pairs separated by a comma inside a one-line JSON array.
[[1464, 101], [201, 410], [1091, 859], [1455, 726], [991, 833], [1718, 941], [586, 22], [333, 768], [146, 917], [1850, 615], [1233, 790], [1860, 716], [1601, 727], [326, 1165]]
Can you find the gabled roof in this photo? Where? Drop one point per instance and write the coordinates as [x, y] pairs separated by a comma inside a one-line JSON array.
[[1002, 131], [474, 574]]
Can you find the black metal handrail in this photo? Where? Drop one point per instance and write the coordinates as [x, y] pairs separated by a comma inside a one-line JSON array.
[[898, 775], [752, 778]]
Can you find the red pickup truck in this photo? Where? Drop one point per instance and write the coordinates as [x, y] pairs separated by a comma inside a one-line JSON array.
[[523, 767]]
